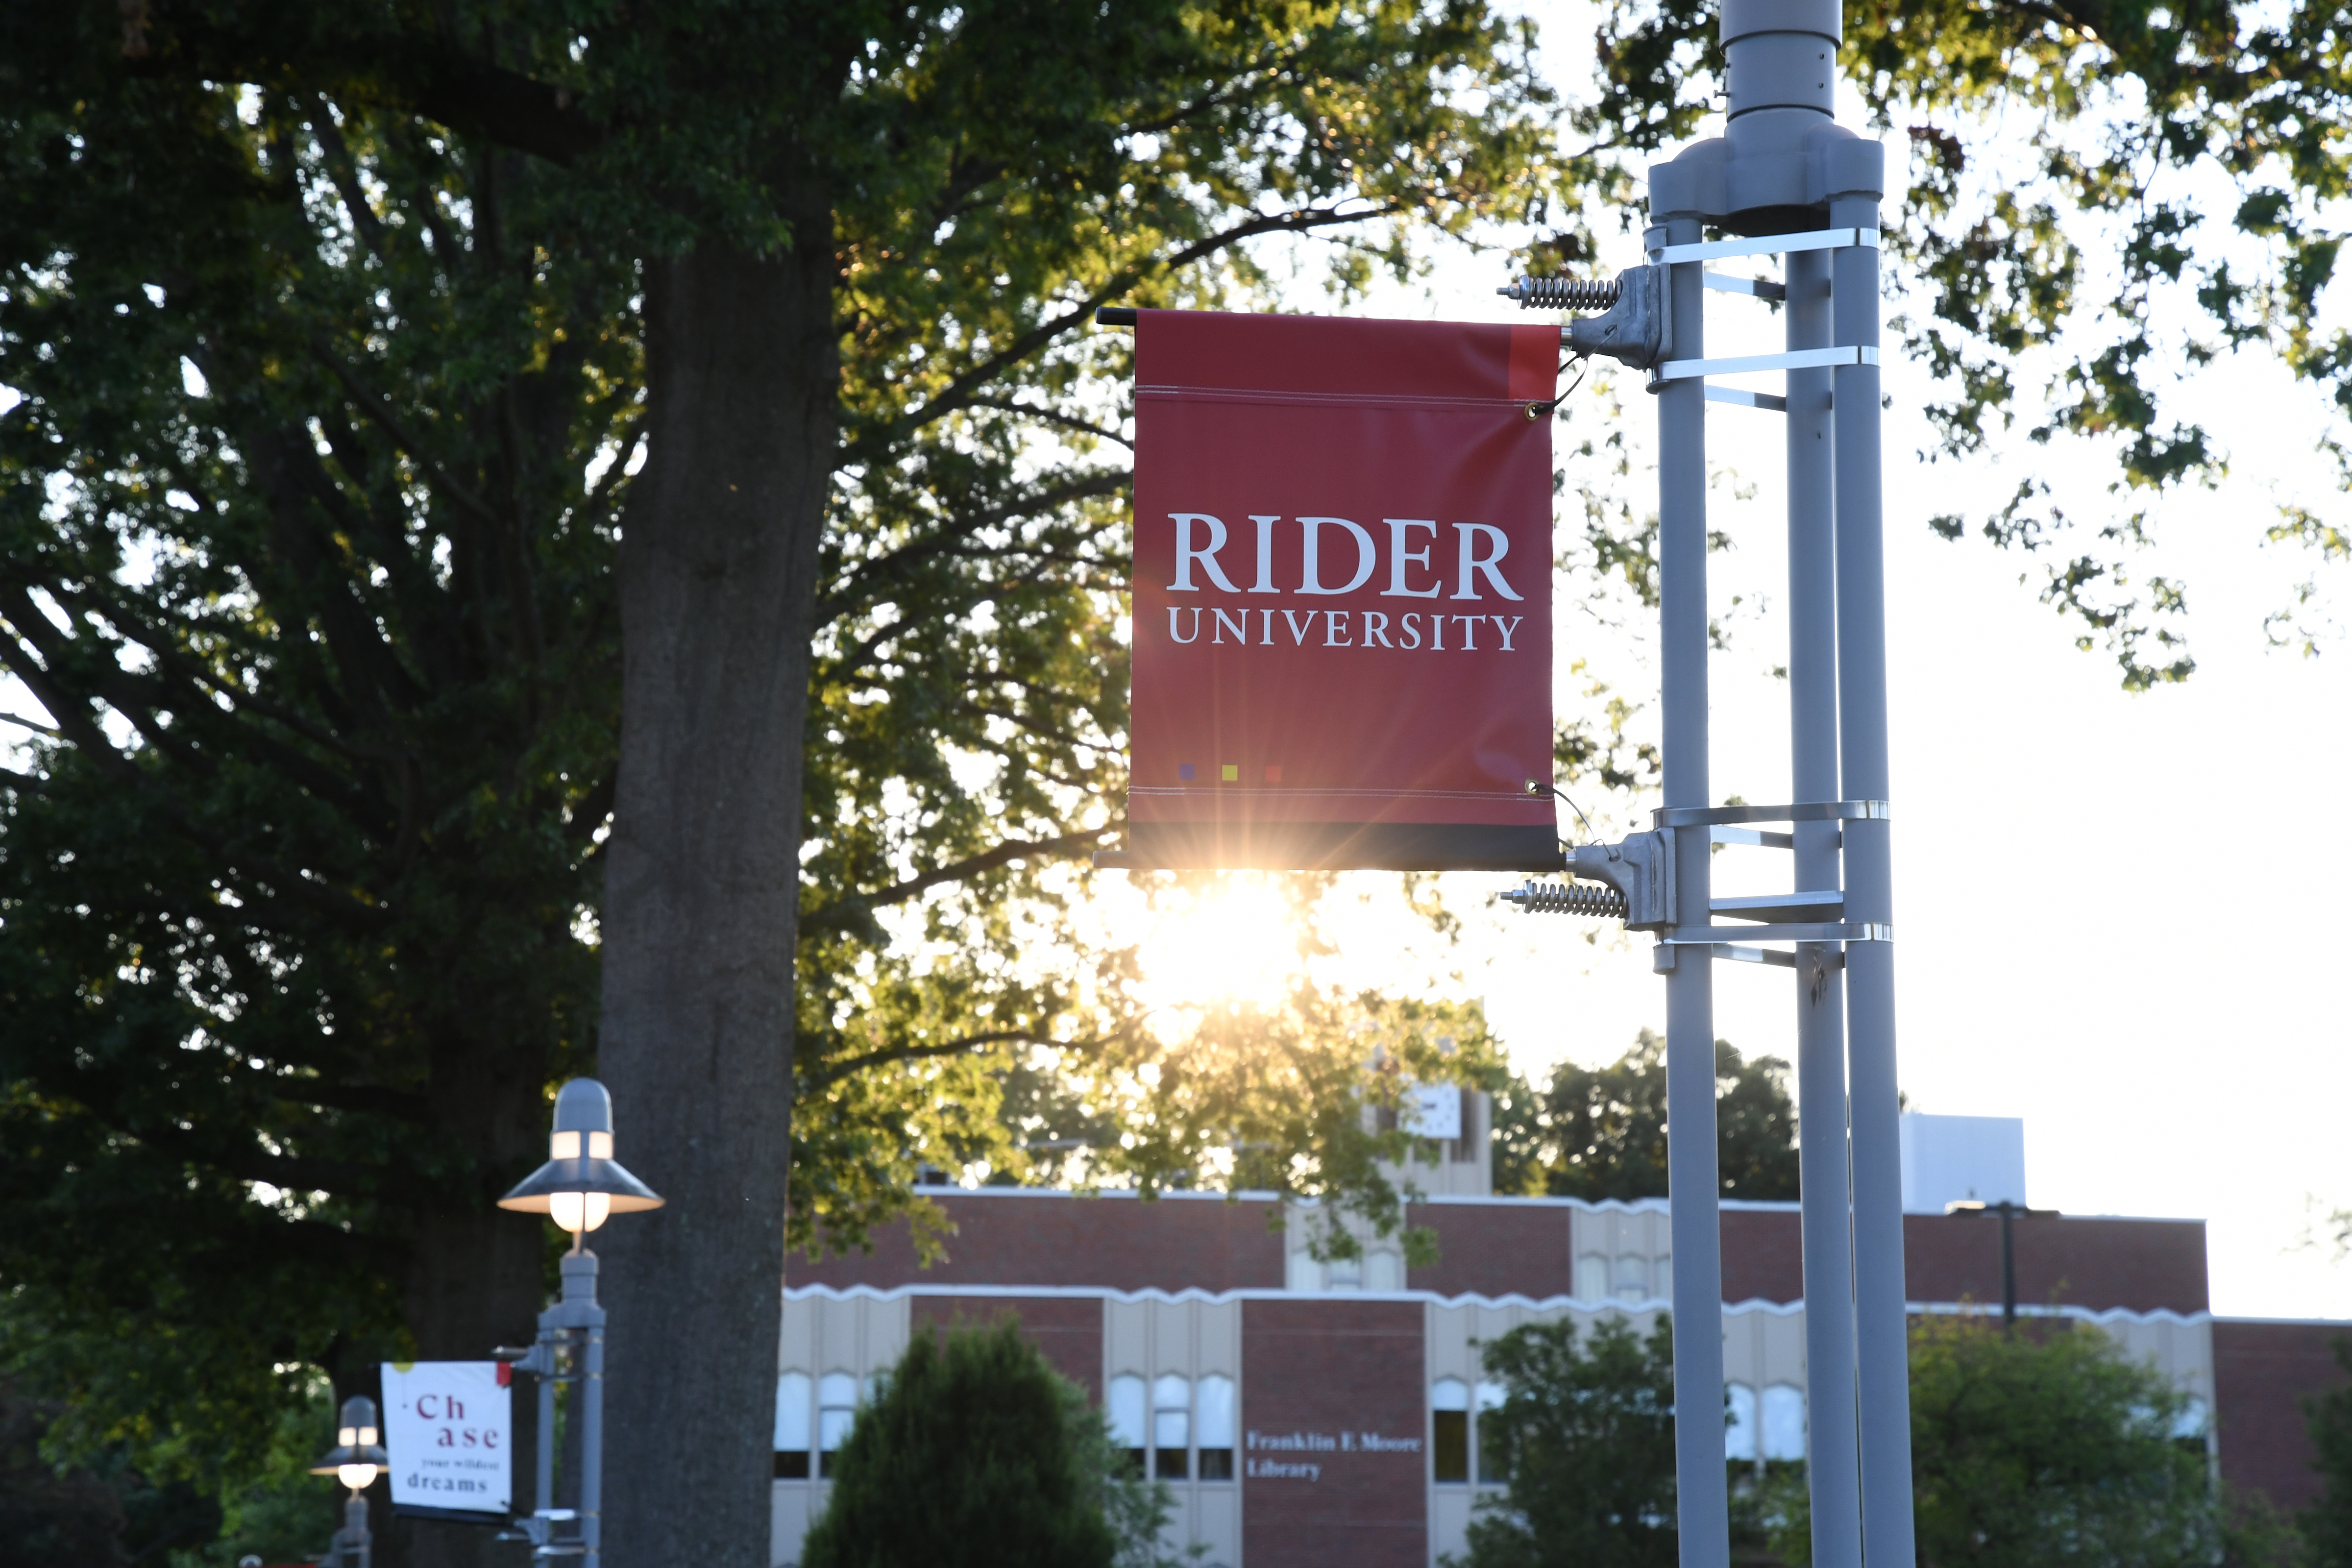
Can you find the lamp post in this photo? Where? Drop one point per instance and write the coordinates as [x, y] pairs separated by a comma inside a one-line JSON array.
[[354, 1461], [579, 1187], [2008, 1211]]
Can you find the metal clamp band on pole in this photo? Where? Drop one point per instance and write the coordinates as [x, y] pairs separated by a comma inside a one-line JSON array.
[[1803, 811], [1732, 952], [1808, 931], [1717, 936], [1771, 401], [1802, 359], [1760, 287], [1767, 245]]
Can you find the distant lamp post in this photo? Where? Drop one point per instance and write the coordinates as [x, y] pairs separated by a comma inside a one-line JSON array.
[[579, 1188], [354, 1460], [2009, 1212]]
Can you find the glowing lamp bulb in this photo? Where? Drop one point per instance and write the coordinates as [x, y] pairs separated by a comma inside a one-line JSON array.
[[359, 1478], [576, 1212]]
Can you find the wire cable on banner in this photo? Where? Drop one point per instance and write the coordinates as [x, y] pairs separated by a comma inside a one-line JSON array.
[[1535, 787]]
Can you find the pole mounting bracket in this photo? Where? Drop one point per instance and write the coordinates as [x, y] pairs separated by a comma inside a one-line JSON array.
[[1767, 245], [1803, 811]]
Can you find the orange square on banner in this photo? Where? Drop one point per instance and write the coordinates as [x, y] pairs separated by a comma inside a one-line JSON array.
[[1274, 775]]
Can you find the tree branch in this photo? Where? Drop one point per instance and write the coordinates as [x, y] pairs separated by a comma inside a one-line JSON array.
[[845, 911], [834, 1071]]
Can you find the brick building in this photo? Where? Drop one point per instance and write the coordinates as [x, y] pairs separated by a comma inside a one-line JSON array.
[[1306, 1413]]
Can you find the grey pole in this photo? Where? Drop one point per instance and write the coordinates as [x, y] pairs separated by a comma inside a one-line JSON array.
[[1881, 1325], [1832, 1470], [1691, 1177], [579, 1284], [580, 1309], [358, 1545], [549, 1339]]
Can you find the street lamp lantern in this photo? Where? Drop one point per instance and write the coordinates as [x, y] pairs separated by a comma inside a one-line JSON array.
[[579, 1188], [355, 1458], [581, 1184]]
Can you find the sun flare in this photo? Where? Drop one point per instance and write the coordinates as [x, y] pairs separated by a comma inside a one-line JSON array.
[[1232, 942]]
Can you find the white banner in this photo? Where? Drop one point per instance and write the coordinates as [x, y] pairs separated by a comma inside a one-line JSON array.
[[448, 1428]]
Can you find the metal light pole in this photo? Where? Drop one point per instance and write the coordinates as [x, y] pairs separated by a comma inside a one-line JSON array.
[[1785, 180], [2009, 1212], [354, 1460], [578, 1188]]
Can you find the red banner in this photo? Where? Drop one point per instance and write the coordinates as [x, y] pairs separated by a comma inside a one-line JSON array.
[[1342, 594]]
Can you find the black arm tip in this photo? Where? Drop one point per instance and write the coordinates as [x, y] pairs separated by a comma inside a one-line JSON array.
[[1115, 316]]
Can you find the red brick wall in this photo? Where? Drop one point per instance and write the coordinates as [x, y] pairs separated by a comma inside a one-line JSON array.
[[1493, 1249], [1763, 1255], [2262, 1374], [2145, 1265], [1115, 1243], [1068, 1330], [1333, 1371]]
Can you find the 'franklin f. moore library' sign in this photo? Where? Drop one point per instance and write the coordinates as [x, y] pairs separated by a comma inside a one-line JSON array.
[[1289, 1470]]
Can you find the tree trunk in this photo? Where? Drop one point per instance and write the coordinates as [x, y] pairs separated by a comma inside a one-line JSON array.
[[718, 558]]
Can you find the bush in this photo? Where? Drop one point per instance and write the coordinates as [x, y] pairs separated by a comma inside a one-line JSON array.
[[2051, 1446], [976, 1452], [1585, 1435]]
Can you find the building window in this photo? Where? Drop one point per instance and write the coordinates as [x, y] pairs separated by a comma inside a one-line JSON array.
[[1126, 1408], [1494, 1470], [1449, 1431], [1739, 1437], [1171, 1428], [792, 1390], [1592, 1277], [1783, 1423], [836, 1412], [1632, 1277], [1213, 1415], [1344, 1273], [1464, 1150], [2188, 1426]]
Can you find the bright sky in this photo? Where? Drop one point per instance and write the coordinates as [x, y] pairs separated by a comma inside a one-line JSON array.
[[2119, 916]]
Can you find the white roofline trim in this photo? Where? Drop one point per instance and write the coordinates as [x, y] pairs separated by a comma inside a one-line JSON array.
[[1514, 1298], [1500, 1200]]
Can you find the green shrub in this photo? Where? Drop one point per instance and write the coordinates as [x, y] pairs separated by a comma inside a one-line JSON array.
[[975, 1452]]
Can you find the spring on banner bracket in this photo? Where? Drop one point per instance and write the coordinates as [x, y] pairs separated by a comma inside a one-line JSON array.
[[1563, 293], [1567, 899]]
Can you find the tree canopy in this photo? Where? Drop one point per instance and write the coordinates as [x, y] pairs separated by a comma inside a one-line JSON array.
[[1600, 1132], [1585, 1435], [2018, 1441], [2326, 1525], [2185, 161], [328, 334]]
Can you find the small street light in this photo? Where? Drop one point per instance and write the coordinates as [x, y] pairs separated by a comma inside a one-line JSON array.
[[354, 1459], [2008, 1211], [579, 1187]]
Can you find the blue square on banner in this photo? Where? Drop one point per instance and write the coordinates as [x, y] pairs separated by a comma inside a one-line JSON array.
[[1185, 770]]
